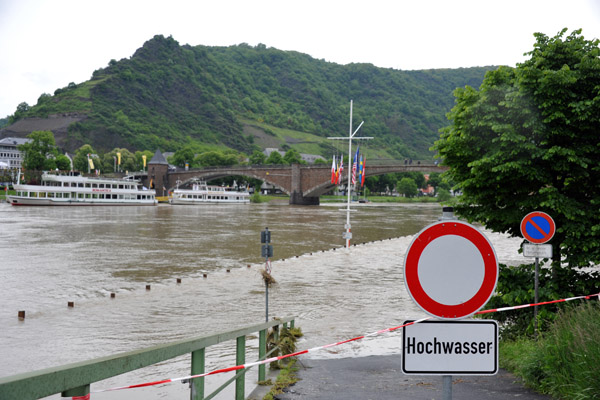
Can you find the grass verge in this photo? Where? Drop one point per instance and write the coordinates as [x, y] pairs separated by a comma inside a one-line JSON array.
[[564, 361]]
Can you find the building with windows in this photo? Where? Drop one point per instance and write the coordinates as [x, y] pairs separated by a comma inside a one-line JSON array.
[[10, 156]]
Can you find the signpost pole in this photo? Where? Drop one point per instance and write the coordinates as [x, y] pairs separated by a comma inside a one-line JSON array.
[[447, 214], [537, 227], [447, 387], [267, 251], [535, 308]]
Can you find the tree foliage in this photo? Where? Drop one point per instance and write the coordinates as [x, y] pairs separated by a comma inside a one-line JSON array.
[[167, 96], [407, 187], [40, 152], [528, 140]]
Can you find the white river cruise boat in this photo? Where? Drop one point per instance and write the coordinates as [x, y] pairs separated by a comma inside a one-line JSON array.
[[201, 193], [70, 189]]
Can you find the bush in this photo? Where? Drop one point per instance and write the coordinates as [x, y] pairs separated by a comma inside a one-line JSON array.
[[564, 363], [516, 287]]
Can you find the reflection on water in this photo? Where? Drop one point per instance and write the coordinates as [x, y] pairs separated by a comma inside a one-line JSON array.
[[55, 255]]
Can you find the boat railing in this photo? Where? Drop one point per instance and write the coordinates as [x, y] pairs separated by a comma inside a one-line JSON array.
[[74, 380]]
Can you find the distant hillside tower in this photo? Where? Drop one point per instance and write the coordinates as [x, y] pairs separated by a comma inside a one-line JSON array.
[[157, 174]]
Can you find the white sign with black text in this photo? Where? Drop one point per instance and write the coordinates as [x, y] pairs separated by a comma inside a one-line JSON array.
[[537, 250], [442, 347]]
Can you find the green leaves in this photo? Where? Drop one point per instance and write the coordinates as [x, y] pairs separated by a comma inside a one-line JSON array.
[[528, 140]]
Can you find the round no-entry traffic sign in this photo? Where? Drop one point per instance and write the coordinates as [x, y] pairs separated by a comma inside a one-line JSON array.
[[538, 227], [450, 269]]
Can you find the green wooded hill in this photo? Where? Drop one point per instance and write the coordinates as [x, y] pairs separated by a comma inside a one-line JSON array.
[[243, 97]]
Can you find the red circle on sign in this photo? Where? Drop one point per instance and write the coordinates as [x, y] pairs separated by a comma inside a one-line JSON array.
[[413, 259], [529, 222]]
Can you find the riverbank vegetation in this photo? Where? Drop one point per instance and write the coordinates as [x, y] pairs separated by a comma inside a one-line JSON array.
[[564, 361], [519, 144]]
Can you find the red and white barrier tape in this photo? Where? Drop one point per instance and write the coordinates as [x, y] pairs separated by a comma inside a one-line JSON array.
[[269, 360]]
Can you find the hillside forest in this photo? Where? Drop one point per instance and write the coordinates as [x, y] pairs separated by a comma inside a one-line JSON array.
[[245, 98]]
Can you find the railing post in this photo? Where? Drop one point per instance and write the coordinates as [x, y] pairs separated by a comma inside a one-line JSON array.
[[197, 384], [262, 352], [240, 359], [79, 392]]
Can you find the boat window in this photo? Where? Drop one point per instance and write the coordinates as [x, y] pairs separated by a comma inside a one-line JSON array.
[[120, 186], [87, 185], [87, 196], [50, 194], [80, 195], [80, 185]]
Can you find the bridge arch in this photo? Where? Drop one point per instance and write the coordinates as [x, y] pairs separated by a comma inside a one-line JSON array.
[[303, 183]]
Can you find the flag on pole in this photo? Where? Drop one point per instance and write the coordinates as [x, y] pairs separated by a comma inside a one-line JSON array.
[[360, 168], [91, 163], [333, 178], [340, 170], [354, 166], [364, 168]]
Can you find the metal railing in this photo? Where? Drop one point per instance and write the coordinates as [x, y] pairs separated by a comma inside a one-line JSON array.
[[75, 379]]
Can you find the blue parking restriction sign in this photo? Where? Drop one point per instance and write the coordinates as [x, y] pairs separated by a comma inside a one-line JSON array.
[[538, 227]]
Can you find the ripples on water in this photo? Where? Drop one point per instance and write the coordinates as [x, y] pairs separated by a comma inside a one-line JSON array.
[[55, 255]]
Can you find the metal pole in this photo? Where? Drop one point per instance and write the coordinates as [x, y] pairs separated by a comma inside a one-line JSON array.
[[348, 188], [266, 302], [351, 134], [535, 308], [447, 387]]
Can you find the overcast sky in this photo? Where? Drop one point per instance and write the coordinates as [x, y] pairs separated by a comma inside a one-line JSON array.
[[46, 44]]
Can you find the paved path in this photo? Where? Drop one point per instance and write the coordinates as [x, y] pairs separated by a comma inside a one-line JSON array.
[[381, 378]]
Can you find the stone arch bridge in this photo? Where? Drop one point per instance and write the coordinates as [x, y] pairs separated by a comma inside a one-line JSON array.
[[303, 183]]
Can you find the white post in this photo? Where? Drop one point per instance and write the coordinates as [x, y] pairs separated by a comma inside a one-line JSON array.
[[351, 134], [348, 188]]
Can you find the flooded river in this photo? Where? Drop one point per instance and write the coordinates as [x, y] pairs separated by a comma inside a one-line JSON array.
[[52, 256]]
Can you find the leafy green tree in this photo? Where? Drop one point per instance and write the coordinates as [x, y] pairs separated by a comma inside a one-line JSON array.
[[528, 140], [274, 158], [110, 160], [257, 158], [39, 153], [139, 161], [63, 163], [407, 187], [22, 109], [215, 159], [80, 159], [183, 156], [293, 157]]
